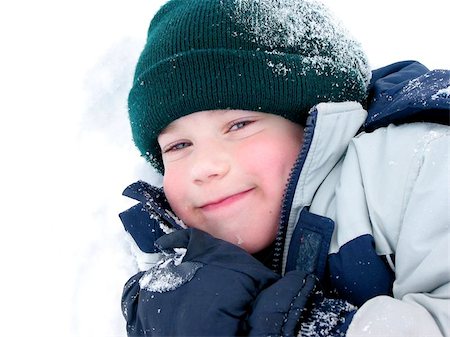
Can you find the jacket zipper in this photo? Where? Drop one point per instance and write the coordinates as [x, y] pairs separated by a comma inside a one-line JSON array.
[[278, 246]]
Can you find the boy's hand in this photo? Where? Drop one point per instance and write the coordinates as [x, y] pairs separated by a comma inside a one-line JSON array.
[[204, 287], [294, 304]]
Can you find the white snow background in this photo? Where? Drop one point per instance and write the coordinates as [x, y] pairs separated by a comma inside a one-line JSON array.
[[66, 150]]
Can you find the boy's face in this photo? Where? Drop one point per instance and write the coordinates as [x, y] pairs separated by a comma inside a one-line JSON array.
[[226, 172]]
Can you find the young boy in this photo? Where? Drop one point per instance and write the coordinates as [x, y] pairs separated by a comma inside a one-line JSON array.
[[290, 209]]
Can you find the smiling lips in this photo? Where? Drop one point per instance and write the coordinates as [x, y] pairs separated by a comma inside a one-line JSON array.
[[214, 205]]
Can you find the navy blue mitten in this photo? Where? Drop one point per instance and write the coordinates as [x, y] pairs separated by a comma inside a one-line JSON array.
[[203, 287], [293, 304]]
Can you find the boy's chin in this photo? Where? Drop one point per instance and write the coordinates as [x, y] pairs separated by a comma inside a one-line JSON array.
[[249, 244], [251, 238]]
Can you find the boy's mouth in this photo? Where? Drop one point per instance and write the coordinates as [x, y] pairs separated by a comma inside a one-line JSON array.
[[224, 201]]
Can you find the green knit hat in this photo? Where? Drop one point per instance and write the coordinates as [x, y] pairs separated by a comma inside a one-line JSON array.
[[274, 56]]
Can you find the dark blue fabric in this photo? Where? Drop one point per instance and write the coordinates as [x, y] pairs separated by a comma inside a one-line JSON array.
[[326, 317], [277, 310], [146, 193], [295, 303], [144, 230], [356, 273], [143, 221], [406, 92], [154, 201], [310, 242], [342, 329], [214, 302]]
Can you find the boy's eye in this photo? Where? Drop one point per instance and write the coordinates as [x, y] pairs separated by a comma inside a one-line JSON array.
[[176, 147], [239, 125]]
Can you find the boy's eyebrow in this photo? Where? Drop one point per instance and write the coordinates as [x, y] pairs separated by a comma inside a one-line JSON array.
[[167, 129]]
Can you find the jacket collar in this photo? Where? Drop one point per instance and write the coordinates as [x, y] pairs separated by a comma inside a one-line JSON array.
[[406, 92]]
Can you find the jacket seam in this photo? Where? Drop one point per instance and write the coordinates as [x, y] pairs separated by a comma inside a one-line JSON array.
[[420, 157]]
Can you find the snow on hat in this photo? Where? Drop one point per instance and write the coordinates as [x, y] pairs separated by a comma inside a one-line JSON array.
[[274, 56]]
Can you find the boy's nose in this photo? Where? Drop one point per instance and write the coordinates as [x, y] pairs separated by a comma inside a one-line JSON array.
[[209, 163]]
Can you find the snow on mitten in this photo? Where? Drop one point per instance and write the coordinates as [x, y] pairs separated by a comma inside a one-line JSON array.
[[294, 306], [146, 221], [203, 287]]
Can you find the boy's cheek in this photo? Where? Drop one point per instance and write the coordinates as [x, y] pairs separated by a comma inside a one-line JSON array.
[[173, 189], [261, 157]]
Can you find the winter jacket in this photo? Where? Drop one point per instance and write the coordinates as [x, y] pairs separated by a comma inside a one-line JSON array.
[[366, 206]]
